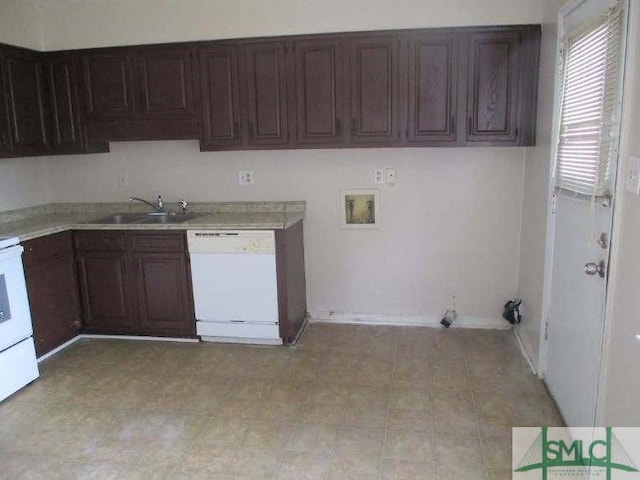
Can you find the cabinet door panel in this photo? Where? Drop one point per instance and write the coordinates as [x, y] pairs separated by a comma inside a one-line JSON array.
[[105, 291], [267, 94], [26, 101], [5, 126], [433, 62], [165, 79], [374, 90], [163, 294], [220, 97], [65, 114], [108, 83], [319, 88], [52, 286], [493, 86], [54, 303]]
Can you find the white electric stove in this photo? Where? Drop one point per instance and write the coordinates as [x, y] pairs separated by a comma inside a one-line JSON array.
[[18, 364]]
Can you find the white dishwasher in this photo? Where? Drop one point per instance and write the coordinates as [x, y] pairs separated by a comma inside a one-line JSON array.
[[235, 288]]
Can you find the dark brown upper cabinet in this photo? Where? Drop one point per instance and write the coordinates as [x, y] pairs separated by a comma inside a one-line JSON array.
[[375, 95], [220, 98], [108, 85], [471, 86], [5, 125], [432, 88], [501, 88], [266, 87], [26, 103], [165, 79], [66, 126], [140, 93], [320, 92]]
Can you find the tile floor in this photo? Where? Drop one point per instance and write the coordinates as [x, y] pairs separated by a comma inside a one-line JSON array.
[[349, 402]]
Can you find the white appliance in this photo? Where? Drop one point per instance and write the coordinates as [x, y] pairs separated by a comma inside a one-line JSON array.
[[18, 364], [235, 288]]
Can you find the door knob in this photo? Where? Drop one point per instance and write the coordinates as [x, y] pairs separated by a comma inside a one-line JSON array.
[[595, 268]]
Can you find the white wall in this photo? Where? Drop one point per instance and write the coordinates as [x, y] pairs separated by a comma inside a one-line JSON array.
[[21, 24], [450, 226], [95, 23], [620, 396], [536, 189], [23, 182]]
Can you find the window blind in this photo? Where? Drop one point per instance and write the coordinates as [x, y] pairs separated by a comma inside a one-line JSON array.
[[590, 109]]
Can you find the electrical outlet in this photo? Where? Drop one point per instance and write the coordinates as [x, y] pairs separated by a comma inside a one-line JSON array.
[[122, 179], [378, 176], [632, 180], [246, 178], [391, 176]]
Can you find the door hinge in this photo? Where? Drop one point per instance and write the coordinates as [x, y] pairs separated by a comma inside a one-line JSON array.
[[546, 329], [553, 204]]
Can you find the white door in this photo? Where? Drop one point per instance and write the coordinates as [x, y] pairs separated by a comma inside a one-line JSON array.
[[592, 40], [576, 312]]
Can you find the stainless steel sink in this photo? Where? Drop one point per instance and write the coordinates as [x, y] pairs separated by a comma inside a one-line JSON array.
[[145, 218], [121, 218], [163, 218]]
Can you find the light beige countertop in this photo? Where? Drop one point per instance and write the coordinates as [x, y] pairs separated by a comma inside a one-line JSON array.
[[35, 222]]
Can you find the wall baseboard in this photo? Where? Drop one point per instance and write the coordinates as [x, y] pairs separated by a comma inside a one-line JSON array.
[[407, 320], [525, 352], [60, 348], [141, 338], [116, 337]]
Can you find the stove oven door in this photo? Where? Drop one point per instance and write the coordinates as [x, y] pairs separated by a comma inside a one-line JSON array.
[[15, 317]]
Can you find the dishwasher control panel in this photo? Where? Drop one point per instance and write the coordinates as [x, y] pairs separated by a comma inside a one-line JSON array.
[[231, 241]]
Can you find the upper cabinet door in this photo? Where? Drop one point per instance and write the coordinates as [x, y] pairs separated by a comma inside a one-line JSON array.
[[266, 77], [26, 101], [319, 67], [220, 98], [165, 80], [493, 89], [108, 83], [374, 90], [433, 67], [66, 134], [5, 126]]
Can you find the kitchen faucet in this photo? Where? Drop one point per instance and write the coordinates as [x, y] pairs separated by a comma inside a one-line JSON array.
[[159, 207]]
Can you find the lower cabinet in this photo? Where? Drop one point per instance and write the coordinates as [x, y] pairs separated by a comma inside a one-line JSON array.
[[163, 293], [106, 299], [50, 273], [135, 283]]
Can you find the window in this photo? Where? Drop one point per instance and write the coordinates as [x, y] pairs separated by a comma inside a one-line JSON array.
[[590, 107]]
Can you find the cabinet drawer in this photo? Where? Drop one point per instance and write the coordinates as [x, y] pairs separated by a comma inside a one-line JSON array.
[[42, 249], [158, 242], [103, 241]]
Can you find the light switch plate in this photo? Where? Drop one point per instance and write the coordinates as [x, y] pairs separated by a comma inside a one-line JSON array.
[[378, 176], [122, 179], [245, 178], [632, 180]]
